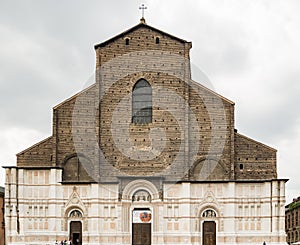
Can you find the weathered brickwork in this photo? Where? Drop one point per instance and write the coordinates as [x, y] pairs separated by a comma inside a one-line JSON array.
[[39, 154], [254, 160], [141, 37], [292, 221], [184, 114]]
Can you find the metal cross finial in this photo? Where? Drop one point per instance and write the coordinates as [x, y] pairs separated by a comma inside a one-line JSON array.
[[143, 7]]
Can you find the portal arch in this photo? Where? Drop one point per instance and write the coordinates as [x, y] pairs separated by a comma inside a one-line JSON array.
[[137, 185]]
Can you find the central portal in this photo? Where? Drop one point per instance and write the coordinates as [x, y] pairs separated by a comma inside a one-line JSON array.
[[141, 227], [76, 232], [209, 233]]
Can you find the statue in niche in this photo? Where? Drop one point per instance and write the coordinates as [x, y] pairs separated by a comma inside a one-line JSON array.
[[75, 214], [209, 213], [141, 196]]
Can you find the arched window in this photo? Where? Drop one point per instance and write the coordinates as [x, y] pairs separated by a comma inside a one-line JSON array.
[[142, 102], [127, 41], [157, 40]]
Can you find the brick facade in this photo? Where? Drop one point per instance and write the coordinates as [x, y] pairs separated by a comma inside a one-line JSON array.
[[166, 67], [292, 221]]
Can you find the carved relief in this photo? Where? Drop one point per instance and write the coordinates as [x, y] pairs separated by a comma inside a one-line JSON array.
[[141, 196], [209, 213], [75, 214]]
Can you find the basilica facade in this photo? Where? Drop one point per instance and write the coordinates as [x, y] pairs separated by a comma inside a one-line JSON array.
[[145, 155]]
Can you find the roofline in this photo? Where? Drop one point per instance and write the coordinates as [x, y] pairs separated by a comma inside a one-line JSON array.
[[33, 167], [40, 142], [74, 96], [226, 181], [213, 92], [141, 24], [292, 202], [257, 142]]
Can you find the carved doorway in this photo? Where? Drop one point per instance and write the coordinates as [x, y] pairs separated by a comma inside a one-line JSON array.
[[209, 233], [141, 227], [76, 232]]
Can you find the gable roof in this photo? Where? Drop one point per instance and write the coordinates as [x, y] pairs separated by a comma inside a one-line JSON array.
[[140, 25]]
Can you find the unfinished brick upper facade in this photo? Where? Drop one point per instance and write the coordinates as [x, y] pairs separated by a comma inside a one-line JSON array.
[[162, 60]]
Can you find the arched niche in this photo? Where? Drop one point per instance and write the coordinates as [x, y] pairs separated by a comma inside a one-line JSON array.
[[76, 168], [138, 185], [208, 169]]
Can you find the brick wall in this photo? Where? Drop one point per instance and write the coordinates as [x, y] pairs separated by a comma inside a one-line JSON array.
[[254, 160], [191, 136]]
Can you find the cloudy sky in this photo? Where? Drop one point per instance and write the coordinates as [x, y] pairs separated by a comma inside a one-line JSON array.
[[249, 49]]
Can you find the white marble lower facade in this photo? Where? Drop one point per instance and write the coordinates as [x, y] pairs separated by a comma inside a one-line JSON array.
[[40, 209]]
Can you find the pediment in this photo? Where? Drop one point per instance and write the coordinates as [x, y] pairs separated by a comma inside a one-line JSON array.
[[139, 26], [75, 201]]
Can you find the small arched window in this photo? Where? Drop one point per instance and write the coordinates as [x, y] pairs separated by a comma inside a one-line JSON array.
[[126, 41], [157, 40], [142, 102]]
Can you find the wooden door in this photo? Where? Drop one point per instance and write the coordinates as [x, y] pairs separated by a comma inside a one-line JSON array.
[[76, 232], [209, 233], [141, 234]]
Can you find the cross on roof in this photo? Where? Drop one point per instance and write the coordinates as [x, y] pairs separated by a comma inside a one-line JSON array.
[[143, 7]]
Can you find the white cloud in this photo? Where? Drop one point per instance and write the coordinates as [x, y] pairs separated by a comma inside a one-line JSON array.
[[288, 157], [13, 141]]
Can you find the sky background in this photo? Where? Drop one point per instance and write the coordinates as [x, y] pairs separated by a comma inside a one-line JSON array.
[[249, 49]]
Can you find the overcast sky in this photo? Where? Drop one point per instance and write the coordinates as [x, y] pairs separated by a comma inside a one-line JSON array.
[[249, 49]]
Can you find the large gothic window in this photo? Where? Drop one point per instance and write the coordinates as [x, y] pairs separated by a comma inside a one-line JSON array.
[[142, 102]]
